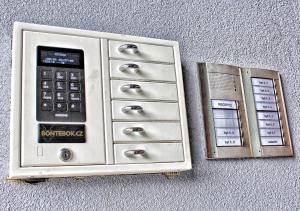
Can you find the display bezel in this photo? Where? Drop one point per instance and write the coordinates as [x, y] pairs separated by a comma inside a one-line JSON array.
[[62, 50]]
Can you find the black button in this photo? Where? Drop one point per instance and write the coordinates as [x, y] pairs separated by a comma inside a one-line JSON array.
[[60, 85], [60, 96], [46, 106], [47, 85], [61, 76], [62, 107], [46, 74], [75, 96], [75, 107], [47, 95], [74, 76], [74, 86]]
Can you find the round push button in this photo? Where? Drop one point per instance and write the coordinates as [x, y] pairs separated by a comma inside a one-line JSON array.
[[65, 154]]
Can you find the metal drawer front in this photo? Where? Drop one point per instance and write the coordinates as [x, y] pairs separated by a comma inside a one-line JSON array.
[[148, 153], [146, 131], [143, 90], [140, 52], [144, 111], [142, 71]]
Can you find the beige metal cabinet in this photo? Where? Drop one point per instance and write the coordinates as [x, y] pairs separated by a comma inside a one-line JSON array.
[[91, 103]]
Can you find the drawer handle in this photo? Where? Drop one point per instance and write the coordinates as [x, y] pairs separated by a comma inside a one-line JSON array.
[[131, 130], [126, 67], [127, 47], [132, 108], [134, 152], [127, 87]]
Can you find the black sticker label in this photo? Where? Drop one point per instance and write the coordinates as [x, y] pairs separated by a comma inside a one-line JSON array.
[[49, 133]]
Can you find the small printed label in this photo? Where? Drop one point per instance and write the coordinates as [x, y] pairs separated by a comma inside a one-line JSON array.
[[49, 133], [267, 115], [227, 142], [262, 82], [270, 132], [266, 106], [263, 90], [271, 141], [265, 98], [228, 132], [268, 124], [224, 104]]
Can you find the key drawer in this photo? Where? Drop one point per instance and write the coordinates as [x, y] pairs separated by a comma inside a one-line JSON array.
[[142, 71], [146, 131], [144, 111], [143, 90], [148, 153], [140, 52]]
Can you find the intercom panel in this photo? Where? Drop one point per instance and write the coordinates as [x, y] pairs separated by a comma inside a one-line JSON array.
[[92, 103], [244, 112]]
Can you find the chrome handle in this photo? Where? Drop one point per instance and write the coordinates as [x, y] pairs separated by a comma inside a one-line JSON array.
[[127, 87], [127, 47], [132, 108], [133, 67], [131, 130], [134, 152]]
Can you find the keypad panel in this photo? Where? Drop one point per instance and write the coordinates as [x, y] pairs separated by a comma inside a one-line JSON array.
[[60, 94]]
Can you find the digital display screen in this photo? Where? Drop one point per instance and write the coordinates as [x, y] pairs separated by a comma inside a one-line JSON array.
[[63, 57]]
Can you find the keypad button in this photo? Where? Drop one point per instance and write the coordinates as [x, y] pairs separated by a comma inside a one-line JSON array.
[[46, 74], [60, 86], [47, 106], [61, 76], [62, 107], [75, 107], [60, 96], [75, 96], [74, 86], [74, 76], [47, 85], [47, 95]]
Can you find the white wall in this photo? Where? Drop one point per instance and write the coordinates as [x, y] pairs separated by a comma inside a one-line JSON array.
[[263, 34]]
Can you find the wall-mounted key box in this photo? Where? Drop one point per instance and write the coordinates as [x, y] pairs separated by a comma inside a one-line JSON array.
[[89, 103], [244, 112]]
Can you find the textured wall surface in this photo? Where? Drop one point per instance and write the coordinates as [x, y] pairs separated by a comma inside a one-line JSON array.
[[264, 34]]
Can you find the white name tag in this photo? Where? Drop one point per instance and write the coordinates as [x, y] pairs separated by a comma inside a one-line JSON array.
[[266, 106], [268, 124], [227, 142], [228, 132], [270, 132], [267, 115], [269, 141], [225, 114], [262, 82], [232, 123], [263, 90], [224, 104], [265, 98]]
